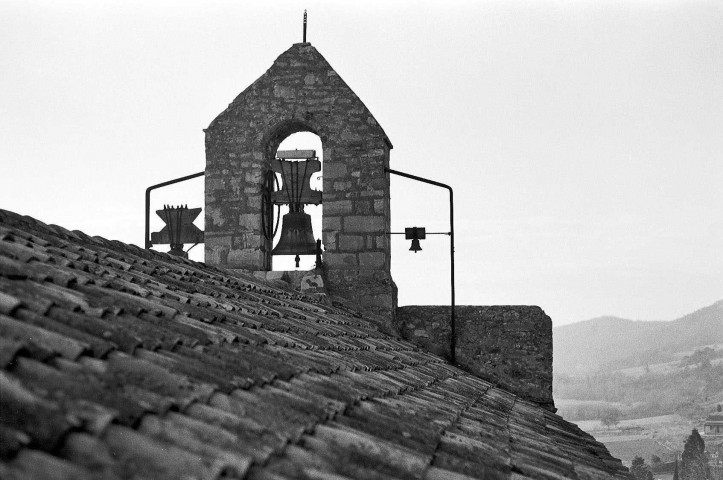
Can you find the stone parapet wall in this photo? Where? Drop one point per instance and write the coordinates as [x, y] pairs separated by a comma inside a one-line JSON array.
[[508, 345], [426, 326]]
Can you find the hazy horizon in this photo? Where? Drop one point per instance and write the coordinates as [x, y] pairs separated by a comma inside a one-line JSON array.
[[660, 320], [582, 138]]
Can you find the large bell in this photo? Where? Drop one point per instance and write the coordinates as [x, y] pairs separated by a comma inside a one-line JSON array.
[[297, 236]]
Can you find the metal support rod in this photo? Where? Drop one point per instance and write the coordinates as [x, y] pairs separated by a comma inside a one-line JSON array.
[[428, 233], [148, 202], [304, 26], [453, 323]]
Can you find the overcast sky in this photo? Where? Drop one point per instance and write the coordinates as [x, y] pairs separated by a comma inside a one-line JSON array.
[[584, 140]]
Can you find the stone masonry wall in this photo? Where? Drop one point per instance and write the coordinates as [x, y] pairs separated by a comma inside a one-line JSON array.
[[508, 345], [302, 92]]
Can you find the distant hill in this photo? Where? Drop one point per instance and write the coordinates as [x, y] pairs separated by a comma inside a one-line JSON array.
[[611, 343]]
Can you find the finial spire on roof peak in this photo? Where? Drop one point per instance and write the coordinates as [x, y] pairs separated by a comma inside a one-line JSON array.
[[304, 25]]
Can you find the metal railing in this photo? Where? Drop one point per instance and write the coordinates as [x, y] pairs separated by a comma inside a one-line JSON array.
[[453, 321]]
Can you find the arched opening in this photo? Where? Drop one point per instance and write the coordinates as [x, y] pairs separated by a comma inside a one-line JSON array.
[[303, 140]]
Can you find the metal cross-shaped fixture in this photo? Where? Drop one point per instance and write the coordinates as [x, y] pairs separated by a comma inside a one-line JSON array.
[[179, 228]]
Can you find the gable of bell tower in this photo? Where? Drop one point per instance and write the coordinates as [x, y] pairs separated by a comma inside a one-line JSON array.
[[302, 92]]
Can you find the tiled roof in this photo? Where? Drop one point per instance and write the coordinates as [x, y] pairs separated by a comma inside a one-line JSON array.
[[118, 362]]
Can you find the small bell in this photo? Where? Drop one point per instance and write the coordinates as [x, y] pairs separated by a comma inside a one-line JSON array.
[[415, 246], [415, 234]]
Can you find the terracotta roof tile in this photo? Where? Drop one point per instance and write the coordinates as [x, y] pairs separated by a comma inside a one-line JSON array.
[[40, 420], [38, 464], [90, 453], [82, 340], [23, 330], [118, 362]]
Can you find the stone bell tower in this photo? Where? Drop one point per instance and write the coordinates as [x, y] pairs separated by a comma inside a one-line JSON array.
[[302, 92]]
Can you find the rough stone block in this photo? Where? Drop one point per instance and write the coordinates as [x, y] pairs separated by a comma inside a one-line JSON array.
[[380, 301], [250, 259], [381, 242], [339, 207], [214, 216], [340, 260], [372, 193], [254, 202], [363, 207], [351, 243], [310, 79], [287, 93], [380, 206], [250, 221], [341, 186], [371, 259], [330, 242], [363, 224], [213, 184], [252, 240], [331, 223], [253, 176], [216, 249], [334, 170], [351, 136]]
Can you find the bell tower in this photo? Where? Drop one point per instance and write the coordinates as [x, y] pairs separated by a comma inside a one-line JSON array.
[[301, 92]]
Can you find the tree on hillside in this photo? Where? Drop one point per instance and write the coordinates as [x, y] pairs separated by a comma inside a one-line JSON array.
[[693, 465], [610, 417], [639, 469]]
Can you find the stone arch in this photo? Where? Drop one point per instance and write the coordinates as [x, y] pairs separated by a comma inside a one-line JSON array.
[[284, 129], [280, 133]]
